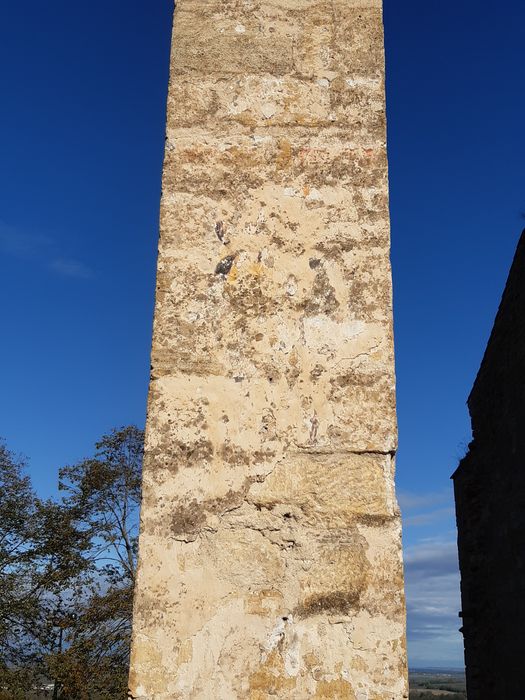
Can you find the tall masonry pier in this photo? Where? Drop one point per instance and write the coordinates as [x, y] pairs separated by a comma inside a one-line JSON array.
[[270, 556]]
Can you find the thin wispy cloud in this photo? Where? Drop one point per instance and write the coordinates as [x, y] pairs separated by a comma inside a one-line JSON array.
[[23, 245], [42, 250], [423, 509], [432, 516], [71, 268], [431, 557], [410, 501]]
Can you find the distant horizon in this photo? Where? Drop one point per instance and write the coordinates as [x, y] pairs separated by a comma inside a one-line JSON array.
[[455, 669]]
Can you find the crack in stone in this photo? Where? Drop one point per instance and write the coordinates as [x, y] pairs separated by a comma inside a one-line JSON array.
[[304, 448]]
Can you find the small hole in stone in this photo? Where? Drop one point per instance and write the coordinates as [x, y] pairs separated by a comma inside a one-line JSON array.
[[284, 619], [270, 379], [287, 515]]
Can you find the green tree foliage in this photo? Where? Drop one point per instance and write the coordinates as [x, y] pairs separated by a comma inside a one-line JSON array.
[[104, 494], [67, 572], [40, 551], [18, 600]]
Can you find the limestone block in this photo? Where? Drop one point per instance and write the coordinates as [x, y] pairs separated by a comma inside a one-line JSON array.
[[262, 101]]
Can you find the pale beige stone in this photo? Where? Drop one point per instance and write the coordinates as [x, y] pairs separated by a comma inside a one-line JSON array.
[[270, 561]]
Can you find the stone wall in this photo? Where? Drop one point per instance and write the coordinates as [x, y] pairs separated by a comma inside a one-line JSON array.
[[489, 487], [270, 556]]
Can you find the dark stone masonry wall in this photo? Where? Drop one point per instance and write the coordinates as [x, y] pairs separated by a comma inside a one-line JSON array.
[[489, 487]]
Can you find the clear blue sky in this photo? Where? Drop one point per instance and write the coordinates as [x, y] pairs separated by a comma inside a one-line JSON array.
[[83, 90]]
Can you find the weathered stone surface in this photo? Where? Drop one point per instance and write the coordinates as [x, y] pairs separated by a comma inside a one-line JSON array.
[[270, 558]]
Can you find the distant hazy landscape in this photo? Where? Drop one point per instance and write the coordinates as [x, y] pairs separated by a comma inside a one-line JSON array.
[[427, 683]]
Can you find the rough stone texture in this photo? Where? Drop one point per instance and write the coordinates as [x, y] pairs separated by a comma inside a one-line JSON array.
[[270, 560], [489, 487]]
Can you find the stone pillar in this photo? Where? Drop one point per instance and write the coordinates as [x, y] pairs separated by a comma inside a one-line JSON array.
[[270, 555]]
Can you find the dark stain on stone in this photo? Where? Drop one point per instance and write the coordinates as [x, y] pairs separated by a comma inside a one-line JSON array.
[[225, 265], [157, 458], [334, 249], [232, 454], [188, 520], [221, 232], [249, 301], [314, 263], [192, 454], [292, 375], [375, 520], [268, 424], [359, 380], [337, 602], [230, 501], [316, 372], [322, 299], [263, 456]]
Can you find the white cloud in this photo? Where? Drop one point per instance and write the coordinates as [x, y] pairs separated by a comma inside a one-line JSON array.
[[432, 580], [433, 602]]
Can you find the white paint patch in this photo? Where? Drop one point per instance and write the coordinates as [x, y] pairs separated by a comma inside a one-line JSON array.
[[240, 29], [321, 331], [288, 336], [314, 196], [290, 192], [292, 658], [268, 109], [275, 637], [364, 82], [323, 82]]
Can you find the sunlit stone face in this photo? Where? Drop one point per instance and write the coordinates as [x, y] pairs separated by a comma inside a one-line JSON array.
[[270, 561]]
